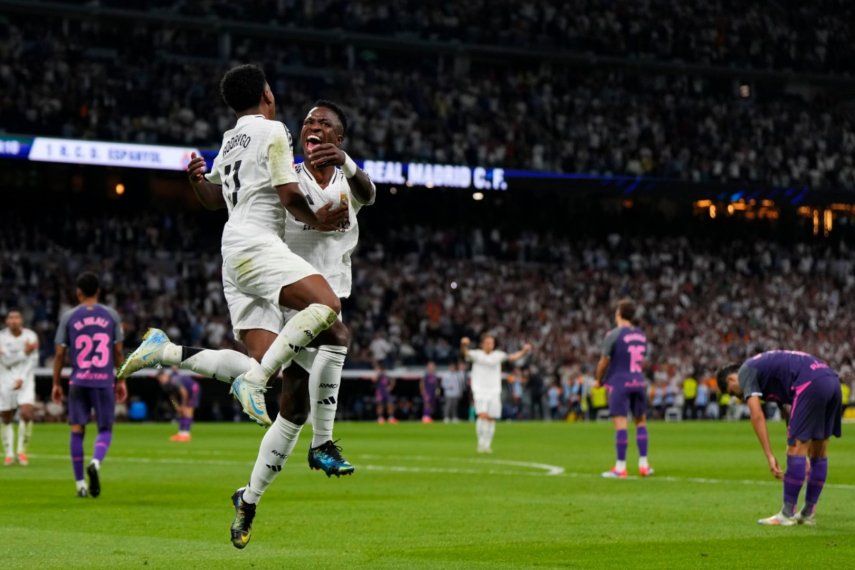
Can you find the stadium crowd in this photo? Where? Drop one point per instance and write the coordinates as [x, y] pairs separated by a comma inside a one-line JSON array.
[[784, 35], [418, 290], [85, 80]]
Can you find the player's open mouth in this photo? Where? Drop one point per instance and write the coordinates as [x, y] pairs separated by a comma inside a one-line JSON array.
[[311, 142]]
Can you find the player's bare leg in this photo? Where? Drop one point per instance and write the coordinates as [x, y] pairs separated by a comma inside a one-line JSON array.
[[7, 433], [319, 307], [25, 431], [818, 453], [644, 468], [619, 470]]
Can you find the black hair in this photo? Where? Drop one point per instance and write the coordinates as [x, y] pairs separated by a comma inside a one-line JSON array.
[[723, 373], [88, 284], [14, 310], [242, 87], [335, 108], [626, 309]]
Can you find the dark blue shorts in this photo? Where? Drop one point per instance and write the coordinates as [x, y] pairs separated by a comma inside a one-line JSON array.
[[82, 400], [623, 399], [817, 407]]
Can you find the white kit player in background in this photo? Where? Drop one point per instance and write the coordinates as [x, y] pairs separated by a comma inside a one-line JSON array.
[[19, 353], [486, 383]]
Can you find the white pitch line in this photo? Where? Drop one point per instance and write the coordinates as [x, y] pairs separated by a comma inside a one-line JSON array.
[[549, 470]]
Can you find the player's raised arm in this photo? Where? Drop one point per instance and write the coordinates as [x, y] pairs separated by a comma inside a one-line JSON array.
[[520, 353], [208, 193], [464, 347], [361, 186]]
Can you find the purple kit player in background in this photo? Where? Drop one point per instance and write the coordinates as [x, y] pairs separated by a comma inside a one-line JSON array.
[[812, 391], [91, 336], [624, 350], [184, 393], [429, 386], [383, 386]]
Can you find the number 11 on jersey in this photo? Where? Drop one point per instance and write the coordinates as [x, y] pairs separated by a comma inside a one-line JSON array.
[[234, 185]]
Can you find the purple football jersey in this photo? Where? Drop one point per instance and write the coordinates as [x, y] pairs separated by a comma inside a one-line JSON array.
[[89, 332], [774, 375], [626, 348]]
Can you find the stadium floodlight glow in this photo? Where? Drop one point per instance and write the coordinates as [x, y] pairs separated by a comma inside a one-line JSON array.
[[478, 196], [120, 189]]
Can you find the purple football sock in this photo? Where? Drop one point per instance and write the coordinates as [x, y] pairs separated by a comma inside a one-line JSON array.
[[102, 444], [184, 424], [77, 455], [794, 478], [641, 441], [620, 443], [816, 480]]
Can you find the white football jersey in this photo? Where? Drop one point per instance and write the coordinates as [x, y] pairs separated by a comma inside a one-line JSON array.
[[13, 356], [328, 252], [254, 159], [486, 376]]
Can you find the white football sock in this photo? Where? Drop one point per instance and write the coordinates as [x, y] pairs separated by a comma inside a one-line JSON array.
[[296, 334], [81, 484], [324, 381], [480, 431], [276, 446], [642, 461], [7, 434], [305, 359], [25, 432], [96, 463], [489, 431], [620, 465], [224, 365]]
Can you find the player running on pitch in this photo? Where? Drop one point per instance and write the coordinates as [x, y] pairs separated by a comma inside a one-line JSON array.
[[486, 382], [622, 366], [19, 348], [90, 335], [184, 393], [253, 177], [812, 390]]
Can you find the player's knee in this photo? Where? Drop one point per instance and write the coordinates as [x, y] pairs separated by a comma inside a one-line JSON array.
[[78, 429], [340, 334]]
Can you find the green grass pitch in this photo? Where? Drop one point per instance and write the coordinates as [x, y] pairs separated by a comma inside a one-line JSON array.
[[422, 498]]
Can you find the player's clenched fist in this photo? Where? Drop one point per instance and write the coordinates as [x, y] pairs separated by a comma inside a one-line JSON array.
[[196, 168], [465, 341]]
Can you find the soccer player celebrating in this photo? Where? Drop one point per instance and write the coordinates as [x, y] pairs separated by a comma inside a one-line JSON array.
[[812, 390], [486, 381], [18, 358], [253, 177], [184, 394], [328, 175], [621, 365], [91, 336]]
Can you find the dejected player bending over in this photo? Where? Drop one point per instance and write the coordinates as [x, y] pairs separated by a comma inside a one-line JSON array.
[[621, 370], [812, 390], [91, 336], [486, 383], [184, 393]]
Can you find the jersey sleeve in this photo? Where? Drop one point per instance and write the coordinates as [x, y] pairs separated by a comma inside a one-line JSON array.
[[214, 175], [355, 199], [474, 355], [280, 157], [748, 382], [61, 338], [118, 331], [609, 342], [503, 356]]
